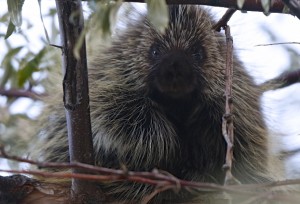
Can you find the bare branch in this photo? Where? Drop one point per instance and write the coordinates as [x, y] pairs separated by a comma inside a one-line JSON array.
[[285, 79], [280, 43], [249, 5], [224, 20], [294, 6], [21, 93], [162, 180], [288, 153], [56, 46], [227, 124], [119, 174]]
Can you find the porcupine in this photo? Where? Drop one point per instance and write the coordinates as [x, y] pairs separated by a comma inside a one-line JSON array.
[[157, 101]]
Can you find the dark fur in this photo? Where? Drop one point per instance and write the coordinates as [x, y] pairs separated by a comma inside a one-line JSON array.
[[157, 101]]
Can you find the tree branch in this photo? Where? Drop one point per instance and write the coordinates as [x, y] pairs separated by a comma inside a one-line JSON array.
[[21, 93], [224, 20], [227, 120], [285, 79], [162, 180], [249, 5], [76, 98], [294, 6]]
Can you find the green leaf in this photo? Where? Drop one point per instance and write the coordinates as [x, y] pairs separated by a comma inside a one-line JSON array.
[[15, 11], [240, 3], [79, 44], [41, 16], [158, 14], [266, 6], [8, 74], [4, 17], [10, 54], [7, 65], [104, 16], [105, 19], [286, 9], [10, 29], [29, 68]]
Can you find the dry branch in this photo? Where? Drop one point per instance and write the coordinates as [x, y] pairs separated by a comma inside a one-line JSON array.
[[294, 6], [124, 174], [21, 93], [227, 121], [285, 79], [277, 6], [162, 180], [224, 20]]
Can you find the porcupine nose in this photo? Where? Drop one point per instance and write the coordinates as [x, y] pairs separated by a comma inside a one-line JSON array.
[[175, 75]]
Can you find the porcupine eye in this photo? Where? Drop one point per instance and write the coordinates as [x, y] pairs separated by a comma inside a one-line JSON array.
[[197, 52], [154, 51]]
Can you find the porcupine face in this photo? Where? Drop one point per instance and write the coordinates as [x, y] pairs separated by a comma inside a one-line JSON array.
[[178, 58], [174, 70]]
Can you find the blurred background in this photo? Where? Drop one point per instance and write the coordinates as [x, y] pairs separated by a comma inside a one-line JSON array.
[[26, 61]]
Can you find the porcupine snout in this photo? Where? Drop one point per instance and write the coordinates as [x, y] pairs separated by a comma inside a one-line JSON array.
[[175, 75]]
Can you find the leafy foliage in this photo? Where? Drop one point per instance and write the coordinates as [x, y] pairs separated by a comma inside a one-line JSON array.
[[22, 68], [158, 14], [25, 73], [15, 12]]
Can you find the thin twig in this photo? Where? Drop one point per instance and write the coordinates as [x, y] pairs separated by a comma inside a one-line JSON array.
[[224, 20], [281, 43], [294, 6], [285, 79], [227, 124], [162, 180], [276, 6], [288, 153], [131, 177], [56, 46], [153, 178], [21, 93]]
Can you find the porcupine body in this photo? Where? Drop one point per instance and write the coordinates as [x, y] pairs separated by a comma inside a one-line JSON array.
[[157, 101]]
